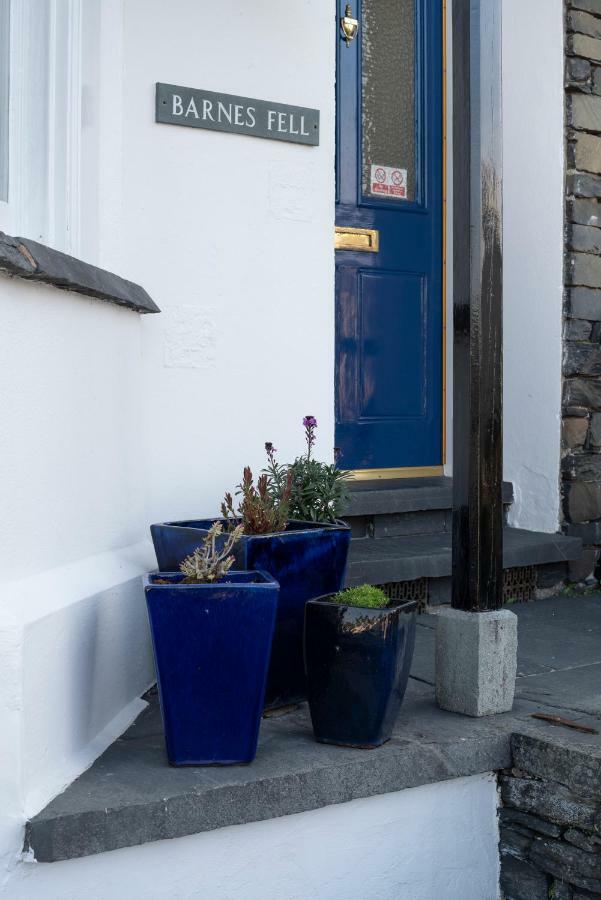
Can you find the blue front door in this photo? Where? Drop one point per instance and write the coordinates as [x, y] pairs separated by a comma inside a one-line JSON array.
[[389, 218]]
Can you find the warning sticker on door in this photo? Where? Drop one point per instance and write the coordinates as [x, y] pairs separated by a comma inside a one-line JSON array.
[[386, 180]]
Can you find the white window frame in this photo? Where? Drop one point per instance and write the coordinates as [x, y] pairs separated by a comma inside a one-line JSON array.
[[45, 123]]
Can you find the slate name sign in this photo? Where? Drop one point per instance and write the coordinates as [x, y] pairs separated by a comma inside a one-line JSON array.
[[240, 115]]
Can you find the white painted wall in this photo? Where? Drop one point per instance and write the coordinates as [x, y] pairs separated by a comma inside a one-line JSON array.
[[233, 237], [74, 649], [533, 255], [437, 842]]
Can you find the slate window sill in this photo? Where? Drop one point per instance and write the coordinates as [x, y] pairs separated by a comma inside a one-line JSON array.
[[36, 262]]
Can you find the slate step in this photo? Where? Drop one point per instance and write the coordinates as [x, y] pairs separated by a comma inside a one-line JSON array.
[[408, 558], [411, 506]]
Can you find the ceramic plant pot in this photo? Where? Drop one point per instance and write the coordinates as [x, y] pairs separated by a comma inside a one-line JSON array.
[[358, 662], [307, 560], [211, 648]]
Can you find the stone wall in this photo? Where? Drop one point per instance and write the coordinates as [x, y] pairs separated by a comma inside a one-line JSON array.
[[581, 464], [551, 821]]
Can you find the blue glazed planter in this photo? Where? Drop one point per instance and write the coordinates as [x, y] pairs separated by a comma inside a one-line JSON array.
[[211, 648], [308, 560], [358, 663]]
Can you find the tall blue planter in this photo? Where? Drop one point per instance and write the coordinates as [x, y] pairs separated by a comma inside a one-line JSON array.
[[358, 663], [211, 647], [308, 560]]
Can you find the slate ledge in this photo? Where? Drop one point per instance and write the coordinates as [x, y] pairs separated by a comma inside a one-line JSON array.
[[36, 262]]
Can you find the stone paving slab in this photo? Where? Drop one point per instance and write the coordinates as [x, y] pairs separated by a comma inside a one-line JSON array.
[[131, 795]]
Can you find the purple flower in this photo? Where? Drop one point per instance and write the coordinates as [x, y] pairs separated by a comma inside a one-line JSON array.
[[310, 422], [269, 447]]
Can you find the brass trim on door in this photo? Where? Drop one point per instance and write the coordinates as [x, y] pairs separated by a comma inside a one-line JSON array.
[[390, 474], [366, 240]]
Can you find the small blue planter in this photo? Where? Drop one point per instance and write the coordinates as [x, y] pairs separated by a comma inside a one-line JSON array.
[[308, 560], [211, 649], [358, 664]]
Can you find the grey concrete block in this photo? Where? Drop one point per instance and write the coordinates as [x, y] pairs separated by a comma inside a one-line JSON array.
[[476, 661]]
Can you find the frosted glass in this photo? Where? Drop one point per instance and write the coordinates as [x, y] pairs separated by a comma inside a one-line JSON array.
[[388, 81]]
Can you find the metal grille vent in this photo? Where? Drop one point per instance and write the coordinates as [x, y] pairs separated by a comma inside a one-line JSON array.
[[400, 591], [519, 584]]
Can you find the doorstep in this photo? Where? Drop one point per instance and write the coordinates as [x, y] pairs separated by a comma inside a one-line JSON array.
[[409, 557], [132, 796]]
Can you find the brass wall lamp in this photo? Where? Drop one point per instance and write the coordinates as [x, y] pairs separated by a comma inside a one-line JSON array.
[[349, 26]]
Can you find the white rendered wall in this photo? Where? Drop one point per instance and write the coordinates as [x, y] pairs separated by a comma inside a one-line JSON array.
[[233, 237], [437, 842], [533, 256], [74, 649]]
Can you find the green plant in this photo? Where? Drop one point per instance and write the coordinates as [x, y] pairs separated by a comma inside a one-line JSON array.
[[210, 563], [261, 510], [366, 596], [318, 491]]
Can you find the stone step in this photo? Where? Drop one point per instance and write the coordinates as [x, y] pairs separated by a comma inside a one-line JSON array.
[[409, 558], [411, 506]]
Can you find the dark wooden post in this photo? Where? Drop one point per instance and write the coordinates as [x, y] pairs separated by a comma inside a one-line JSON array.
[[477, 285]]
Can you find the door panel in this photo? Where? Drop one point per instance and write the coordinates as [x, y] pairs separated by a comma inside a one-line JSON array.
[[389, 178]]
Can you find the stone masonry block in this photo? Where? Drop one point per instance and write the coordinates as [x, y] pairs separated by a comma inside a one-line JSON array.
[[596, 84], [577, 330], [584, 23], [582, 392], [592, 6], [521, 881], [583, 238], [587, 152], [550, 801], [584, 111], [582, 466], [570, 863], [582, 358], [584, 212], [583, 501], [584, 269], [578, 71], [574, 432], [559, 760], [476, 661], [583, 45], [584, 303], [581, 184]]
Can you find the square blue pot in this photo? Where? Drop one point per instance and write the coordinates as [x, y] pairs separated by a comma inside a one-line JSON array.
[[211, 644], [308, 560]]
